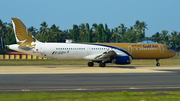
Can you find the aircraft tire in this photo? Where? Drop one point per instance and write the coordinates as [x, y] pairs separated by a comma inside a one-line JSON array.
[[102, 64], [90, 64], [158, 64]]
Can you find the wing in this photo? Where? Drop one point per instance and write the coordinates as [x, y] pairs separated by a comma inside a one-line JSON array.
[[107, 55]]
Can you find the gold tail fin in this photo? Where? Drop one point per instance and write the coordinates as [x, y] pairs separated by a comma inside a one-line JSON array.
[[23, 36]]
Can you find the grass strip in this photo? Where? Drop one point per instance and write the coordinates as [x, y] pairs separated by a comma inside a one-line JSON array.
[[92, 96]]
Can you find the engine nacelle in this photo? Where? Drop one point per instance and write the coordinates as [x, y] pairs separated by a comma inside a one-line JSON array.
[[122, 60]]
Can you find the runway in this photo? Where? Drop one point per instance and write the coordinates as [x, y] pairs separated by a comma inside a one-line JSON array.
[[83, 78]]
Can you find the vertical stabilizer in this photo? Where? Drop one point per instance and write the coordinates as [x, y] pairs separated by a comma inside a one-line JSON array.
[[22, 34]]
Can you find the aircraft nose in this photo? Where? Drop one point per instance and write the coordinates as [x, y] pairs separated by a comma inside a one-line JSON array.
[[173, 53]]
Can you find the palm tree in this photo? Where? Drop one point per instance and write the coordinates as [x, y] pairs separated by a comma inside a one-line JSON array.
[[144, 26], [82, 31], [9, 29], [138, 26], [174, 37], [2, 31], [115, 36], [122, 28], [74, 33], [32, 30], [157, 37], [131, 34], [43, 29], [55, 30], [165, 37], [88, 31], [95, 26]]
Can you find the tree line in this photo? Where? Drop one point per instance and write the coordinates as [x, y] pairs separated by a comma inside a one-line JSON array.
[[84, 33]]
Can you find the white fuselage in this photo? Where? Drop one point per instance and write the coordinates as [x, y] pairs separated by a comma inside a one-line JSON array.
[[67, 50]]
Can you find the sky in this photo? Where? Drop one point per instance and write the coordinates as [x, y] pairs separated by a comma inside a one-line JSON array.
[[158, 14]]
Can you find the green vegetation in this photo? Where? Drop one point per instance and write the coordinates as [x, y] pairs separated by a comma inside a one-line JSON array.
[[92, 96], [171, 61], [97, 33]]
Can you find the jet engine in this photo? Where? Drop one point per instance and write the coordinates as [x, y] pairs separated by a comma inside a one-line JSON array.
[[122, 60]]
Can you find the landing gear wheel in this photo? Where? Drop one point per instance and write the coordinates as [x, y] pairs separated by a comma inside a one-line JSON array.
[[158, 64], [102, 64], [90, 64]]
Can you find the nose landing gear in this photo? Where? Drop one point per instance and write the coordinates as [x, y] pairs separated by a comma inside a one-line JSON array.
[[158, 64]]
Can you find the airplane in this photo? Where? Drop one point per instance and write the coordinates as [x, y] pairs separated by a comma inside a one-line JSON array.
[[102, 53]]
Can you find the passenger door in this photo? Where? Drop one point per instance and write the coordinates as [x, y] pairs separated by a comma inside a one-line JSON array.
[[89, 50], [161, 48], [42, 49], [129, 49]]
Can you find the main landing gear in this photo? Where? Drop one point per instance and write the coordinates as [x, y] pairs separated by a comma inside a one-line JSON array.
[[158, 64], [90, 64], [101, 64]]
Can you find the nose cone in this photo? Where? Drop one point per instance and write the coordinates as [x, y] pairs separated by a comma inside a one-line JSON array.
[[173, 53]]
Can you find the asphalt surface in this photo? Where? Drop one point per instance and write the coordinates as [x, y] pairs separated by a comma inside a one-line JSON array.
[[161, 79]]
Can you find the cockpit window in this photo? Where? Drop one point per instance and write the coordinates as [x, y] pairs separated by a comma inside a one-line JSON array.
[[169, 48]]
